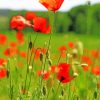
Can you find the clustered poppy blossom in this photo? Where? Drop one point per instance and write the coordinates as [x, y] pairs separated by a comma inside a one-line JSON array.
[[63, 74], [39, 24], [18, 22], [52, 5]]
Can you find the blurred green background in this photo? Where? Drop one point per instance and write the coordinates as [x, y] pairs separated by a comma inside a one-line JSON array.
[[83, 19]]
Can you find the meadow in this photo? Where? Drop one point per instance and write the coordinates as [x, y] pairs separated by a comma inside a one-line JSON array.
[[50, 55], [82, 87]]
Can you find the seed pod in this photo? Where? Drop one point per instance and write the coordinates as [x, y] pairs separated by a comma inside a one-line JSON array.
[[30, 45], [41, 57], [48, 55], [62, 92], [50, 62], [44, 90], [79, 47], [95, 94], [8, 73]]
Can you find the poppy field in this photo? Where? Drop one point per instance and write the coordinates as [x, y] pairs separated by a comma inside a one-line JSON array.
[[43, 65]]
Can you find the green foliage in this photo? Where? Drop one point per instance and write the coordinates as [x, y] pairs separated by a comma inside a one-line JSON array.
[[81, 19]]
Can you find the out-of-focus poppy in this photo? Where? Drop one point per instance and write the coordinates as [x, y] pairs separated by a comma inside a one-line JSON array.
[[3, 39], [3, 73], [95, 53], [45, 75], [23, 54], [19, 22], [11, 52], [30, 15], [2, 61], [96, 70], [13, 44], [41, 25], [71, 44], [52, 69], [52, 5], [62, 50], [20, 37]]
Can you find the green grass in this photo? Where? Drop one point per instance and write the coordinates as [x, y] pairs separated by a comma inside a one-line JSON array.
[[82, 83]]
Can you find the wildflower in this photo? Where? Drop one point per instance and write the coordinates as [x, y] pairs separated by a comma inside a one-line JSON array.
[[88, 61], [30, 15], [44, 74], [20, 37], [96, 70], [3, 73], [3, 39], [23, 54], [95, 53], [71, 44], [52, 69], [52, 5], [19, 22], [2, 61], [63, 74], [13, 44], [41, 25], [62, 50]]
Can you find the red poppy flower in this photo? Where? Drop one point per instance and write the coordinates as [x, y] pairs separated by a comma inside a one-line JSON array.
[[2, 61], [64, 77], [86, 68], [19, 22], [62, 50], [41, 25], [7, 52], [3, 73], [11, 51], [45, 75], [30, 15], [52, 69], [23, 54], [71, 44], [95, 53], [3, 39], [13, 44], [96, 70], [63, 74], [52, 5], [86, 59], [20, 37]]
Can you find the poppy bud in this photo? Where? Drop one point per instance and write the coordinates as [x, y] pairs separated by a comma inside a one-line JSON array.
[[48, 55], [30, 45], [44, 90], [41, 57], [50, 62], [62, 92], [95, 94]]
